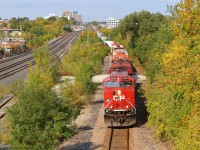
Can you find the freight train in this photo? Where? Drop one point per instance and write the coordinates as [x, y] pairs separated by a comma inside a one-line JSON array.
[[119, 88]]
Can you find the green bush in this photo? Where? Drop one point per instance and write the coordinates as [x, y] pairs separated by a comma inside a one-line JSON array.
[[83, 61], [38, 120]]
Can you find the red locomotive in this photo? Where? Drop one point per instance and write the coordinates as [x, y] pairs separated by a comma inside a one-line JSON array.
[[120, 50], [119, 100], [121, 55], [121, 62], [119, 66], [117, 48]]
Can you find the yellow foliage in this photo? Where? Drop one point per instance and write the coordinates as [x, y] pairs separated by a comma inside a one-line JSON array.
[[174, 95], [188, 17], [3, 91], [5, 131], [175, 58]]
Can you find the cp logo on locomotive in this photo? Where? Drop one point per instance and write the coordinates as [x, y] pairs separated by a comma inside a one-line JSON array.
[[118, 98]]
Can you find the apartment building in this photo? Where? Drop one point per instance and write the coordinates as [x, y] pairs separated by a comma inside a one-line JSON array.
[[67, 14], [78, 18], [112, 22]]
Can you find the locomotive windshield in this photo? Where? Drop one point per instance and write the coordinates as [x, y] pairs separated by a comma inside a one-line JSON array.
[[126, 83], [111, 84]]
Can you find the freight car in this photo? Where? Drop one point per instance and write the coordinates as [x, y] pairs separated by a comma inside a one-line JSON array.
[[121, 62]]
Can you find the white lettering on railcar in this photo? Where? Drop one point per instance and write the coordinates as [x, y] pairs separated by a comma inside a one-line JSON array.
[[118, 98]]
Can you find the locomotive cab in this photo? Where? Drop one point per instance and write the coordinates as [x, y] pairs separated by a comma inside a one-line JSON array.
[[121, 66], [119, 100]]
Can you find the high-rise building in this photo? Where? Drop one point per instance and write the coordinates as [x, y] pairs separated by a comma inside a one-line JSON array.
[[67, 14], [75, 12], [78, 18], [112, 22]]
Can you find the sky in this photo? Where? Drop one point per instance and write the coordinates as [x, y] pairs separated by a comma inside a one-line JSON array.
[[91, 10]]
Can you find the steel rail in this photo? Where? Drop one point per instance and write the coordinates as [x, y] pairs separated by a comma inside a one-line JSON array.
[[117, 138], [26, 53], [3, 102]]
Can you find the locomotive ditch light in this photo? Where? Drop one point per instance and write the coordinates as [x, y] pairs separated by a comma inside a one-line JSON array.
[[108, 100], [107, 110], [133, 111]]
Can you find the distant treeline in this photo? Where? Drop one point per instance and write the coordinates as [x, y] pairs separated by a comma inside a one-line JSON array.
[[39, 31]]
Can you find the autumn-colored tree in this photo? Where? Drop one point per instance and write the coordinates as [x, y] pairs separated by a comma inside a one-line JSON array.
[[38, 32], [173, 99], [74, 64], [39, 119], [169, 50]]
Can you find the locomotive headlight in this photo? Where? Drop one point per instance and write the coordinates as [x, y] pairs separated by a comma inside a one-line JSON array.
[[108, 100], [119, 92], [127, 106]]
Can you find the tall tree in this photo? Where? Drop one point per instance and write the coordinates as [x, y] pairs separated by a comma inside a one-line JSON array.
[[39, 119]]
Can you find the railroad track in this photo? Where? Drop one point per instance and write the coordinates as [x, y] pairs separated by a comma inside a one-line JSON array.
[[14, 57], [116, 139], [56, 44], [57, 47], [3, 102], [29, 52]]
